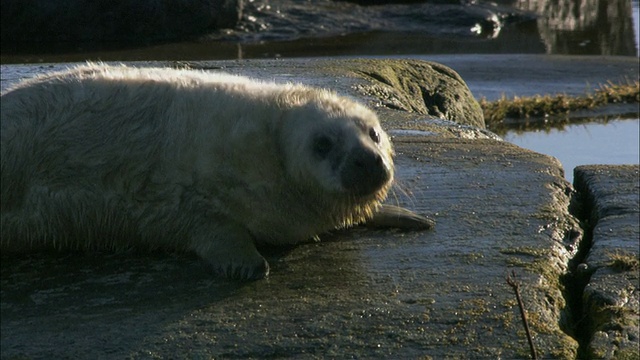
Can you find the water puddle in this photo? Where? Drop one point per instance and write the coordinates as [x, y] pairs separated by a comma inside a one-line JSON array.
[[614, 142]]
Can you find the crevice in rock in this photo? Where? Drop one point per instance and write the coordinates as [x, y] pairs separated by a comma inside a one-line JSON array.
[[578, 275]]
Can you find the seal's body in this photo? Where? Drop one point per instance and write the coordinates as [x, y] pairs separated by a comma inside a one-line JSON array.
[[121, 157]]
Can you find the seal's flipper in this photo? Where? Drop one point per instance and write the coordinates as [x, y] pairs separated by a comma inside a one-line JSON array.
[[231, 252], [391, 216]]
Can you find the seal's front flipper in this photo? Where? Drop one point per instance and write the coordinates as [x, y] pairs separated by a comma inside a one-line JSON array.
[[232, 254], [391, 216]]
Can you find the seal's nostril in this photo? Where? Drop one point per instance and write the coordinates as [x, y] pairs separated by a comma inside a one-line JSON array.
[[364, 159]]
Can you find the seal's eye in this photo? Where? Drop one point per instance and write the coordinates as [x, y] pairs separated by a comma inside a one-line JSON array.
[[374, 135], [322, 145]]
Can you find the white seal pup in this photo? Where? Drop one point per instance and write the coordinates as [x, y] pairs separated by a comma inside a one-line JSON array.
[[120, 157]]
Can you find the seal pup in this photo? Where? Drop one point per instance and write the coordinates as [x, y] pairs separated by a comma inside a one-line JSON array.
[[120, 157]]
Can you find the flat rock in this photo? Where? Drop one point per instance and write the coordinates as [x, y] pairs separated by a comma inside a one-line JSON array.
[[611, 297]]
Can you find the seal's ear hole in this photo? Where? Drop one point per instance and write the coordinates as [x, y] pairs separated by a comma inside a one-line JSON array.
[[374, 135], [322, 146]]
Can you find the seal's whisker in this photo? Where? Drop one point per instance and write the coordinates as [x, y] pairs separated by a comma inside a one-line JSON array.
[[407, 194]]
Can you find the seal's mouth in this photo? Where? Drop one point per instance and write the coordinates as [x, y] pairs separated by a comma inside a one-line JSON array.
[[364, 172]]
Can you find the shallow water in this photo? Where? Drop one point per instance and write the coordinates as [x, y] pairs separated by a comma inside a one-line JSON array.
[[615, 142]]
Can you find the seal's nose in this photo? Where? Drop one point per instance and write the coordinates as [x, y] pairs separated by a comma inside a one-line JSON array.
[[364, 171]]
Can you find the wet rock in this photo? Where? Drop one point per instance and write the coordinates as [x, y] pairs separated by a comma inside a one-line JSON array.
[[359, 293], [611, 297], [80, 21]]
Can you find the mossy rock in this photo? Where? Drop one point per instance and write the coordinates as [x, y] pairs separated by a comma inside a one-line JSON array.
[[421, 87]]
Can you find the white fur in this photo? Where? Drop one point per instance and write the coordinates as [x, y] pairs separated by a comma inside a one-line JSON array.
[[118, 157]]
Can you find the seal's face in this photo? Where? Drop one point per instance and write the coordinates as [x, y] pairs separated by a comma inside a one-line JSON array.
[[350, 155], [345, 151]]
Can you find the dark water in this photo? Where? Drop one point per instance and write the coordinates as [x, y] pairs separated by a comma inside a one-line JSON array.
[[295, 19], [304, 28], [594, 27]]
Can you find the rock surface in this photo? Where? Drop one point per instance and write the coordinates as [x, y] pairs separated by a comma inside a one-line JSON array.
[[611, 296], [358, 293]]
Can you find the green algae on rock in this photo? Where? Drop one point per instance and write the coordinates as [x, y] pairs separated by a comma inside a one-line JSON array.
[[554, 109]]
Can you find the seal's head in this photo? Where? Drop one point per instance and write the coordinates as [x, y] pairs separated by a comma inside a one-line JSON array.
[[337, 147]]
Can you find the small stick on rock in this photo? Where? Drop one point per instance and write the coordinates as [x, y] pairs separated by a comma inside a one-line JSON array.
[[511, 280]]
